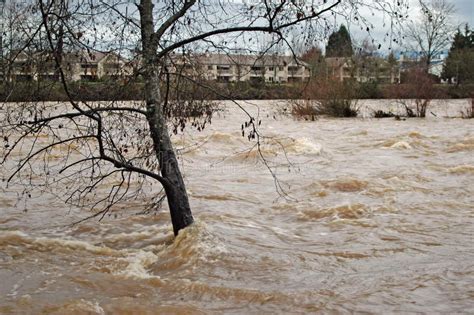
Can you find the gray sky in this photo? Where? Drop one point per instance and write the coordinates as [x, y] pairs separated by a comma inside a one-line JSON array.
[[465, 11], [464, 14]]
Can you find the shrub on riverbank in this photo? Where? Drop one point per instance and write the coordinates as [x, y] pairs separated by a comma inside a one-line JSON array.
[[304, 109], [327, 97], [124, 91]]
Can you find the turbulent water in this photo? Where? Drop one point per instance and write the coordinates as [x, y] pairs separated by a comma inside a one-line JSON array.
[[367, 215]]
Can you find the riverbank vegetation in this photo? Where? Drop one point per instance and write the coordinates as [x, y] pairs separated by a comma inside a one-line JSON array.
[[134, 90]]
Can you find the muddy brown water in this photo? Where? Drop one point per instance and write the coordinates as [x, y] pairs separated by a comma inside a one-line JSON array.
[[379, 218]]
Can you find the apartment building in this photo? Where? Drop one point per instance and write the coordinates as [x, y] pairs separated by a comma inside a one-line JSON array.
[[242, 68], [363, 69], [93, 66], [77, 66]]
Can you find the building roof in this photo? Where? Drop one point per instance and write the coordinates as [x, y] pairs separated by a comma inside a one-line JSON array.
[[85, 56], [239, 59], [82, 56]]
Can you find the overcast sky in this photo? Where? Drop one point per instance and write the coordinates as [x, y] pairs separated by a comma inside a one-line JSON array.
[[465, 11], [464, 14]]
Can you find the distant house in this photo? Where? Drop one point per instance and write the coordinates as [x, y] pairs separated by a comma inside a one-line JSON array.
[[242, 68]]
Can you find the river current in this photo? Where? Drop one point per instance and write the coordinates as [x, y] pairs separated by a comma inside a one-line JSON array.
[[367, 215]]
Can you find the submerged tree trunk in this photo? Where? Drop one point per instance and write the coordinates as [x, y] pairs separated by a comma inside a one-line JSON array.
[[174, 186]]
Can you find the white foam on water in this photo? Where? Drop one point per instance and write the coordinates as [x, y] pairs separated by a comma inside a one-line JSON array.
[[401, 145], [138, 263], [306, 146], [75, 244], [12, 234], [195, 243], [53, 244], [145, 233], [88, 307]]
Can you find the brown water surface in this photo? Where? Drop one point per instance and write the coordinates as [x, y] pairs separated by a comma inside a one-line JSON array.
[[379, 218]]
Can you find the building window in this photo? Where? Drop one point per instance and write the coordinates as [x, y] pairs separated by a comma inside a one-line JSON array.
[[23, 77], [270, 68], [209, 67]]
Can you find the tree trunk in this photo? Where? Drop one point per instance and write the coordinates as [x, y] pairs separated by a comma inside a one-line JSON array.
[[174, 186]]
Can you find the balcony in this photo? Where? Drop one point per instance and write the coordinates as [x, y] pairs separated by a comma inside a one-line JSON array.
[[224, 71], [257, 71], [297, 72]]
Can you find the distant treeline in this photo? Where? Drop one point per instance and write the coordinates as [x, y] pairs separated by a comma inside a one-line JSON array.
[[107, 91]]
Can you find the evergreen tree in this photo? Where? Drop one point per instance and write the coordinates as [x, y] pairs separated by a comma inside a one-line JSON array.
[[339, 44], [459, 65]]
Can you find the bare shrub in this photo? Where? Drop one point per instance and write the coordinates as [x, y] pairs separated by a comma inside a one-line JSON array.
[[327, 97], [337, 107], [337, 99], [382, 114], [416, 92], [304, 109]]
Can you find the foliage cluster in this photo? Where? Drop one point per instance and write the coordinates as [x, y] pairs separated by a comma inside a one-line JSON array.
[[459, 66], [339, 44]]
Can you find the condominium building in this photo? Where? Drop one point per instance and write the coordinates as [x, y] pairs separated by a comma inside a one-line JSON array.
[[81, 65], [363, 69], [93, 66], [241, 68]]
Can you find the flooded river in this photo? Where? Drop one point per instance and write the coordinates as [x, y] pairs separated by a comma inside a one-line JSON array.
[[370, 215]]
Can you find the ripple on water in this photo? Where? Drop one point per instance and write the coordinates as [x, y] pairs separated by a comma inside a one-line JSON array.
[[284, 147], [351, 212], [466, 144], [45, 244], [80, 306], [461, 169], [126, 262], [412, 140], [346, 185]]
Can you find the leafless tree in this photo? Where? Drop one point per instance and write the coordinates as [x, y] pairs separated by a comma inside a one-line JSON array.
[[432, 32], [416, 92], [130, 142]]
